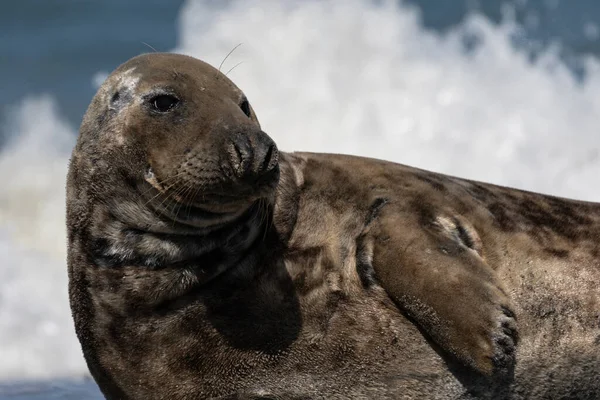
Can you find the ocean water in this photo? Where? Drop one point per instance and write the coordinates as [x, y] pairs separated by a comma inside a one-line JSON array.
[[503, 93]]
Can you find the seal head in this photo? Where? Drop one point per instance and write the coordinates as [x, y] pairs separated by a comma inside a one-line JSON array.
[[199, 160]]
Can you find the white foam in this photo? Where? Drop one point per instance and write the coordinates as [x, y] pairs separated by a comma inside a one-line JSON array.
[[36, 334], [323, 76]]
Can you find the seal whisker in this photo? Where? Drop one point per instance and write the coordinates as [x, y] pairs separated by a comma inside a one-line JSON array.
[[146, 203], [187, 199], [168, 198], [162, 183], [264, 207], [174, 177], [228, 54], [156, 51], [232, 68], [178, 196], [160, 193], [196, 191], [271, 220], [181, 194]]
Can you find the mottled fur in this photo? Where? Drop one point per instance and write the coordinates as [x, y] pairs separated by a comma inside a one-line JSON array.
[[330, 276]]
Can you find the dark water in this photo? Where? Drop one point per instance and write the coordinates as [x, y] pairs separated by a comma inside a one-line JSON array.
[[56, 389], [56, 46], [573, 25]]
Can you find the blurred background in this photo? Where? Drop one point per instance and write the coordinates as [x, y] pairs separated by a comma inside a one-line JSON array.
[[506, 92]]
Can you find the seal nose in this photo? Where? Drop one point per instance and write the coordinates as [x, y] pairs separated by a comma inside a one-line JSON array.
[[253, 154], [267, 155]]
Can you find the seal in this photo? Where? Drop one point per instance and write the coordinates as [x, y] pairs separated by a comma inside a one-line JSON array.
[[205, 263]]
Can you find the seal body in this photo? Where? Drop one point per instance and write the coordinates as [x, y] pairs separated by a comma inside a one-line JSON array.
[[543, 248], [204, 263]]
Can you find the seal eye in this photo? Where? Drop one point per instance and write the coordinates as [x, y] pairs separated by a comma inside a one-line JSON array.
[[164, 102], [245, 106]]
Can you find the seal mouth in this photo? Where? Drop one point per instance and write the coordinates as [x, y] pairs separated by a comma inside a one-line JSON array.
[[216, 207]]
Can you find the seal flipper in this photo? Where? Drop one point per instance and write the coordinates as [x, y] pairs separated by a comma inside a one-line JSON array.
[[432, 267]]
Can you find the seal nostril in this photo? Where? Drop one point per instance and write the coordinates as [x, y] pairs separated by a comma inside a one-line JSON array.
[[238, 153], [239, 156], [270, 159]]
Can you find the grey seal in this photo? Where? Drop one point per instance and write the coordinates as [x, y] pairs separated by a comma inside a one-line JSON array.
[[205, 263]]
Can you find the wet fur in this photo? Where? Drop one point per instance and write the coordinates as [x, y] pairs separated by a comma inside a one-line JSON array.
[[352, 278]]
